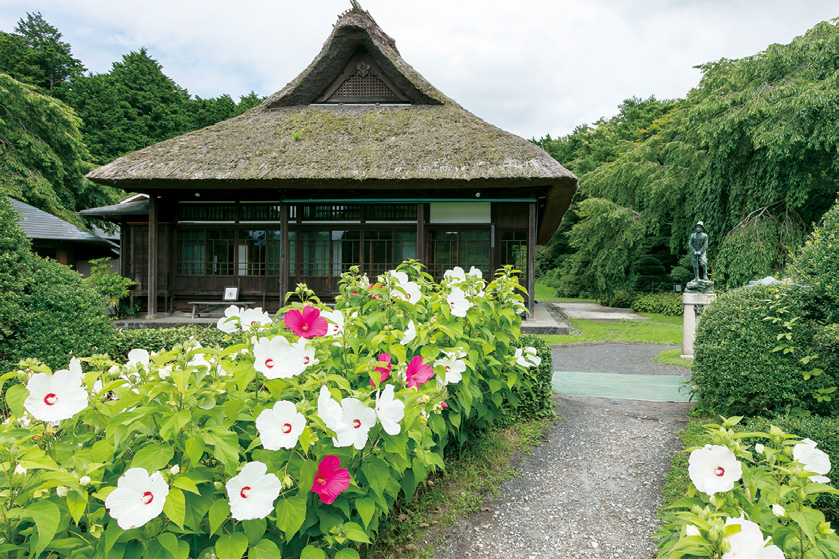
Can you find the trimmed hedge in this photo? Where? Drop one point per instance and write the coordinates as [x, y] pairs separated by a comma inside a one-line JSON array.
[[669, 304], [735, 371], [162, 339], [823, 430], [619, 299]]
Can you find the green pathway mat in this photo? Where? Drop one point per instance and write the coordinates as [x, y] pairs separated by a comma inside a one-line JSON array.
[[652, 388]]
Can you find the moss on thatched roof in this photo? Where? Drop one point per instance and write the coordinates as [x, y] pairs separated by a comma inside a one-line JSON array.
[[290, 142]]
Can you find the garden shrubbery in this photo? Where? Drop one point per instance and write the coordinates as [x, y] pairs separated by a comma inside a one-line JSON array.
[[669, 304], [46, 310], [768, 348], [161, 339], [736, 369], [292, 441], [822, 430]]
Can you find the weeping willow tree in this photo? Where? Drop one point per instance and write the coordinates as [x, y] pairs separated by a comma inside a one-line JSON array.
[[42, 156], [753, 152]]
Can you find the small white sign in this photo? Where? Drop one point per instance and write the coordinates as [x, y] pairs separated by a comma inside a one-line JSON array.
[[231, 293]]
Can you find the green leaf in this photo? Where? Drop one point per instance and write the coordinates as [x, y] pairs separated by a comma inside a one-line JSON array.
[[312, 552], [194, 449], [354, 532], [291, 513], [307, 477], [16, 395], [264, 549], [366, 508], [76, 503], [347, 554], [186, 484], [231, 546], [153, 457], [175, 507], [46, 516], [169, 542], [219, 512], [254, 529]]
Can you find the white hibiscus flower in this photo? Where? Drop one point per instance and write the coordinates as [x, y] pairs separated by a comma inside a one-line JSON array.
[[329, 410], [280, 426], [277, 358], [252, 493], [749, 543], [253, 318], [356, 422], [231, 320], [410, 333], [453, 367], [138, 357], [714, 469], [455, 275], [57, 396], [336, 322], [458, 302], [813, 460], [390, 410], [138, 498]]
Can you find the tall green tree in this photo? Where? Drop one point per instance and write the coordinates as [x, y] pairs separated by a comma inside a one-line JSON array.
[[36, 55], [753, 152], [42, 157]]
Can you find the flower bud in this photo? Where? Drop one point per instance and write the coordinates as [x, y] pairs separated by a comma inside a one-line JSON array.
[[444, 405], [425, 398], [691, 530], [287, 481], [175, 470], [779, 511], [218, 485], [61, 491], [84, 480], [759, 448], [824, 528], [20, 470], [96, 531]]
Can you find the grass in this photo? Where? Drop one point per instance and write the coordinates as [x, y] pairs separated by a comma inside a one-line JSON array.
[[544, 292], [673, 357], [660, 329], [461, 490]]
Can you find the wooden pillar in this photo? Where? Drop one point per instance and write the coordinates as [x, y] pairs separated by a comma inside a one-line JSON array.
[[421, 233], [531, 257], [284, 256], [152, 279]]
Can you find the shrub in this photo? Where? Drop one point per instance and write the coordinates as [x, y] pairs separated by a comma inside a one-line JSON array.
[[735, 368], [111, 286], [817, 264], [162, 339], [59, 317], [532, 398], [823, 430], [651, 273], [680, 274], [276, 446], [669, 304], [619, 299]]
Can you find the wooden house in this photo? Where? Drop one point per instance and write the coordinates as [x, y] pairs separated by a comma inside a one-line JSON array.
[[359, 161]]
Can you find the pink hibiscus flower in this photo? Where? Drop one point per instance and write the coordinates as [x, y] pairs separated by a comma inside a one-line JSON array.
[[418, 372], [307, 323], [331, 480], [384, 369]]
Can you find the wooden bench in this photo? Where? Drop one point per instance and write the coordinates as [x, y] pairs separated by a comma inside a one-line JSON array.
[[216, 305]]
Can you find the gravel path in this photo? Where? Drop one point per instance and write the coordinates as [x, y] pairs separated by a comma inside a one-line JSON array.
[[591, 489]]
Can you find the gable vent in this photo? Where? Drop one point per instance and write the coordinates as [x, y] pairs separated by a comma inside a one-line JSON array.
[[362, 81]]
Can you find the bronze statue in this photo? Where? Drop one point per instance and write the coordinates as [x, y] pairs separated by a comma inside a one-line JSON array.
[[698, 245]]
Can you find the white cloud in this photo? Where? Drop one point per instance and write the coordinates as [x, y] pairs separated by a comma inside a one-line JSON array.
[[531, 67]]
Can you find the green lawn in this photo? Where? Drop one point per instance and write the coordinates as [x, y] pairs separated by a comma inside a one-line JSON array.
[[660, 329]]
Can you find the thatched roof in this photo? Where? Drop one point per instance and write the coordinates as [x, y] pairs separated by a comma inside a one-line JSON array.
[[294, 140]]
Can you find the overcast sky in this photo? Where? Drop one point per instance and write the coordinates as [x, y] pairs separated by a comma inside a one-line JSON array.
[[532, 67]]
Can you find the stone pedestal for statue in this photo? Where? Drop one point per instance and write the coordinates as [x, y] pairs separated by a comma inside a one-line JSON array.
[[693, 303]]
